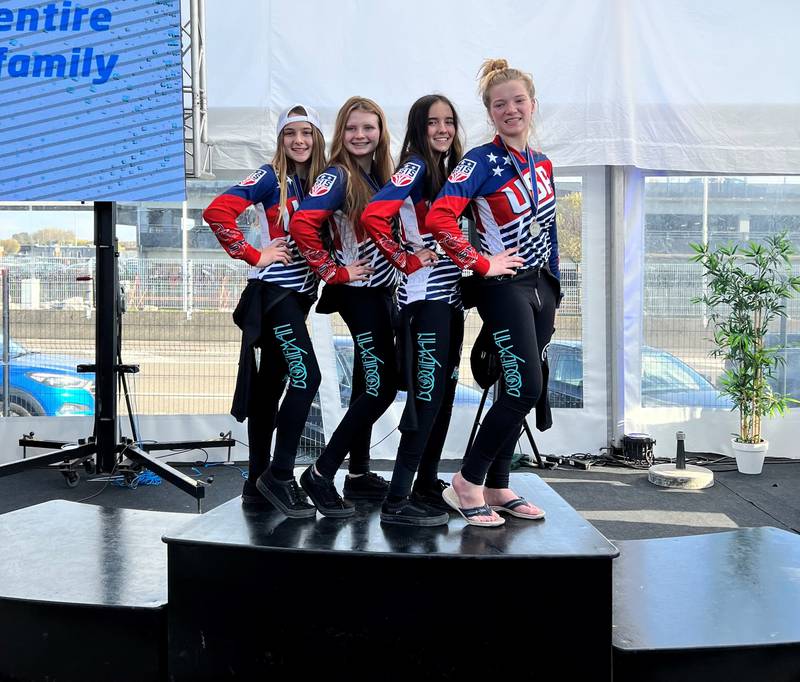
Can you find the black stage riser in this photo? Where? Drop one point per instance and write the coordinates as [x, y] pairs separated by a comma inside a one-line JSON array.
[[83, 593], [717, 607], [758, 664], [356, 599], [349, 616], [44, 642]]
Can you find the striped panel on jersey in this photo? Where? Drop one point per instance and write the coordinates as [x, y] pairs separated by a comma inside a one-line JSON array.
[[297, 275], [534, 249], [437, 283], [351, 250]]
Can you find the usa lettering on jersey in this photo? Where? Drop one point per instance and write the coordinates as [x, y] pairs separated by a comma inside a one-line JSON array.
[[543, 183], [322, 185], [405, 175], [253, 178], [462, 171]]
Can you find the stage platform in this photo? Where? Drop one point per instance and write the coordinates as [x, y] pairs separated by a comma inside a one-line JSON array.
[[357, 599], [83, 593], [83, 596], [708, 608]]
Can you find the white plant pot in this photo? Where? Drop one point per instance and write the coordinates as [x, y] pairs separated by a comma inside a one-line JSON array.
[[749, 456]]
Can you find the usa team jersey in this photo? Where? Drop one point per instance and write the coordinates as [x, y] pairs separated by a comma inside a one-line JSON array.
[[403, 196], [324, 207], [261, 190], [503, 212]]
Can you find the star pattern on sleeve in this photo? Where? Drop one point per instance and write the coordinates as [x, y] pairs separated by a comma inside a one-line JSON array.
[[492, 158]]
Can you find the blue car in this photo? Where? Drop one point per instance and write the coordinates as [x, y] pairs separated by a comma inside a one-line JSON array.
[[786, 378], [667, 381], [46, 385]]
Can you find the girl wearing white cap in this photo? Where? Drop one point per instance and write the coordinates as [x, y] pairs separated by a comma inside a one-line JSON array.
[[273, 310]]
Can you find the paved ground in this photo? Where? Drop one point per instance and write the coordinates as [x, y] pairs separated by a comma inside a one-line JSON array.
[[620, 502]]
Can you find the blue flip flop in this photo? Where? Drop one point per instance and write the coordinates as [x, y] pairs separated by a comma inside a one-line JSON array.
[[511, 506], [469, 513]]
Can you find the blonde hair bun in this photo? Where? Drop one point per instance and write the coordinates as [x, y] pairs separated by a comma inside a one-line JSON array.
[[491, 65]]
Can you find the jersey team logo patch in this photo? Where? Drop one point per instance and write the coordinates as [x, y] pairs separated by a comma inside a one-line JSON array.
[[406, 174], [322, 185], [253, 178], [462, 171]]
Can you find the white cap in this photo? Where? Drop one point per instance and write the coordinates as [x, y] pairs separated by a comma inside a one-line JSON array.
[[285, 118]]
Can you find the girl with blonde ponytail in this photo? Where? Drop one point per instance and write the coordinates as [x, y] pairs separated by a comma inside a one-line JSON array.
[[514, 283], [272, 311]]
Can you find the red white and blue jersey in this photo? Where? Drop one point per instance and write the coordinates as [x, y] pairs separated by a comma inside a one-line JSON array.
[[503, 209], [260, 189], [325, 208], [403, 196]]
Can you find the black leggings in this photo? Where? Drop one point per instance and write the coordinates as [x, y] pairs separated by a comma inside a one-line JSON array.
[[437, 330], [287, 358], [519, 317], [366, 312]]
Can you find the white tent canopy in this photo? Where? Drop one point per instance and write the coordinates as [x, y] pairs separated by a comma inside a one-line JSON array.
[[626, 88], [678, 85]]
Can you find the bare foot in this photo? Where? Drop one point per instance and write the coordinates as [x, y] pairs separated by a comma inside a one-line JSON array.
[[500, 496], [471, 495]]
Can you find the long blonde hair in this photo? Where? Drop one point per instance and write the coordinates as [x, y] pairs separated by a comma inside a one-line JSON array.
[[359, 191], [284, 166], [496, 71]]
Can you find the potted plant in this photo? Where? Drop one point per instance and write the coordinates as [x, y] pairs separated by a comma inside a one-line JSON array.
[[747, 286]]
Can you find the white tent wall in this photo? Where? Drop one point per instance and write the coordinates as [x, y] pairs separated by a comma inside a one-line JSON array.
[[707, 87], [707, 429], [584, 429], [631, 84], [681, 85]]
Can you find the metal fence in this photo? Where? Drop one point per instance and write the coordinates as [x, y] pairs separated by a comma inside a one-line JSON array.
[[165, 284], [149, 283], [670, 287], [177, 325]]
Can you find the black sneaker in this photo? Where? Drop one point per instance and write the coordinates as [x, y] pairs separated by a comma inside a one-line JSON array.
[[406, 512], [252, 498], [368, 486], [285, 495], [431, 495], [323, 494]]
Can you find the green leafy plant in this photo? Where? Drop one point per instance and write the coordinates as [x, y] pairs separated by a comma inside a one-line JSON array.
[[747, 288]]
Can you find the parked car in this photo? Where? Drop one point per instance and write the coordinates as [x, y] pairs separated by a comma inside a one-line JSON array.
[[41, 384], [667, 381], [787, 375], [313, 435]]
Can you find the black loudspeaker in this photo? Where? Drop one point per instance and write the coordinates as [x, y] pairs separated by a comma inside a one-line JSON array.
[[637, 448]]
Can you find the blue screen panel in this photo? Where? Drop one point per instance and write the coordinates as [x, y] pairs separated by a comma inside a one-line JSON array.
[[91, 101]]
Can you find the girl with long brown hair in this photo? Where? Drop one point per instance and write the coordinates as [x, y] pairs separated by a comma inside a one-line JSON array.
[[359, 284], [430, 304]]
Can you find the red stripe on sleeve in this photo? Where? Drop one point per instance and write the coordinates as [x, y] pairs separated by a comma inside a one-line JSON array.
[[304, 228], [377, 222], [221, 217], [442, 221]]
